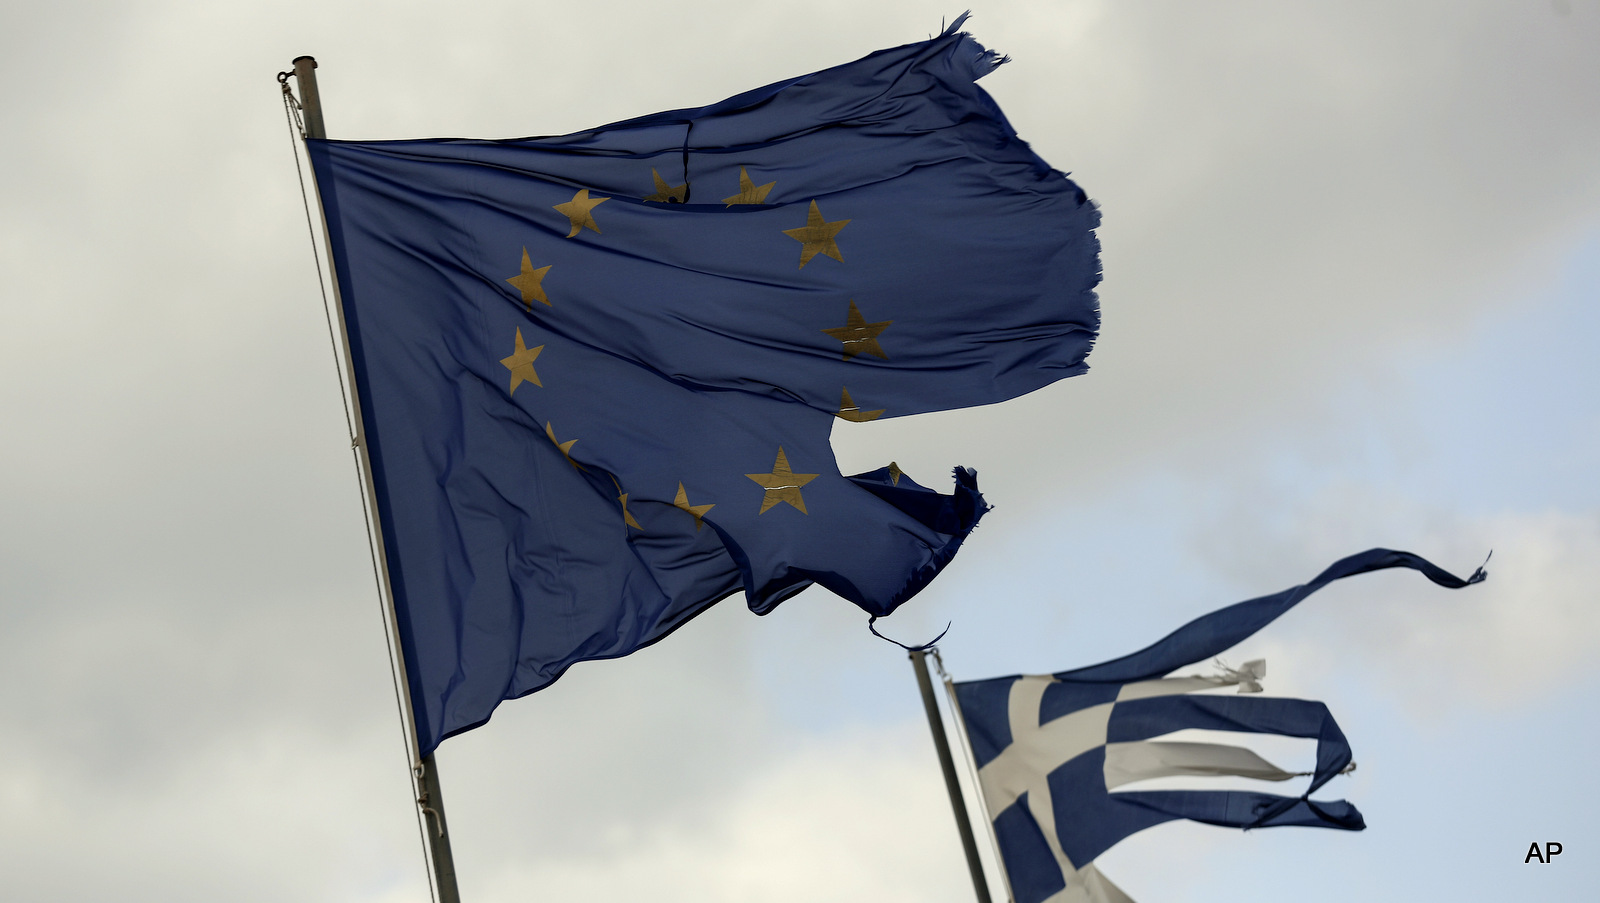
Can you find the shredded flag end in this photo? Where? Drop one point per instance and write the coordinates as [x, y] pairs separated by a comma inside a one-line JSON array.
[[1336, 814], [1480, 575], [1195, 640], [985, 61], [955, 27], [1093, 288], [968, 506]]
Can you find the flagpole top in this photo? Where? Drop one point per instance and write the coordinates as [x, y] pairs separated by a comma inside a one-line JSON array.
[[310, 101]]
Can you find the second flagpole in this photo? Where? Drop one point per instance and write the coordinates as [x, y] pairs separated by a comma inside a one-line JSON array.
[[941, 742]]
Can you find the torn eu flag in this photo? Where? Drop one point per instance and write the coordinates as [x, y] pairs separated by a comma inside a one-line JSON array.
[[597, 373]]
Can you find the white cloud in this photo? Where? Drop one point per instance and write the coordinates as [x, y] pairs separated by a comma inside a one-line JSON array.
[[858, 817]]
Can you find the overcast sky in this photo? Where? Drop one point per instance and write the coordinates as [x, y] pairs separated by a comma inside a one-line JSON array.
[[1352, 257]]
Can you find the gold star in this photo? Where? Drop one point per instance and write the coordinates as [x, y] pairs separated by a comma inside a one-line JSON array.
[[816, 236], [530, 282], [782, 485], [520, 363], [749, 191], [699, 511], [623, 498], [675, 193], [566, 447], [895, 473], [849, 410], [626, 517], [858, 335], [580, 211]]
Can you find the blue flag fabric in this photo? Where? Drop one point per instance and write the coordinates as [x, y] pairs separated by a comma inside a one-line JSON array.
[[1051, 749], [598, 373]]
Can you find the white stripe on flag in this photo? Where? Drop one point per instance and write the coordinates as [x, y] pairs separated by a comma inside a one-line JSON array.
[[1146, 759]]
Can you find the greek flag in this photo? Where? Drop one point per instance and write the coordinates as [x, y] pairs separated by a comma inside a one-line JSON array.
[[1051, 748]]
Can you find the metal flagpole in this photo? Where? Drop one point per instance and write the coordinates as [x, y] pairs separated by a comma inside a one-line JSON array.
[[425, 772], [432, 803], [963, 824]]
